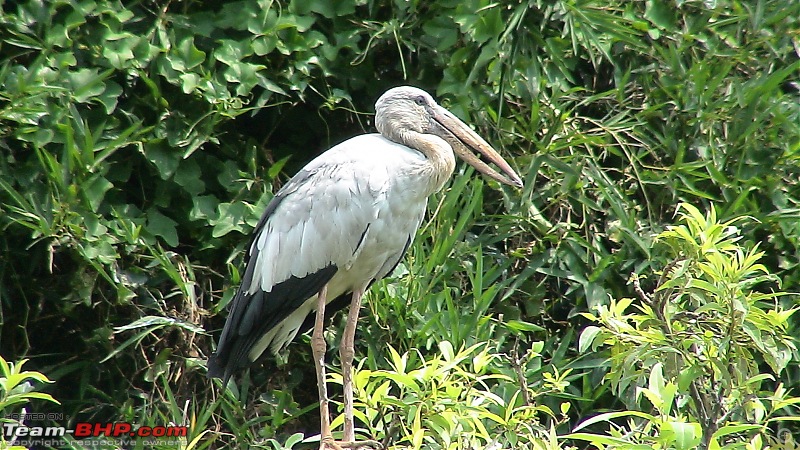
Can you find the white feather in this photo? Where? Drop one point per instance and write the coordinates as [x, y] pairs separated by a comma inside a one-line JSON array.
[[366, 183], [266, 260], [293, 239], [259, 261]]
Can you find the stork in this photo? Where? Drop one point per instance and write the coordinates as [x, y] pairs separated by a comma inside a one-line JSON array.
[[341, 223]]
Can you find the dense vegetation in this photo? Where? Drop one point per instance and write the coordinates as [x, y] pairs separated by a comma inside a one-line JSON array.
[[638, 293]]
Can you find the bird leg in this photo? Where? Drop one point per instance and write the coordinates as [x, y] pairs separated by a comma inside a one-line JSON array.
[[318, 351], [346, 353]]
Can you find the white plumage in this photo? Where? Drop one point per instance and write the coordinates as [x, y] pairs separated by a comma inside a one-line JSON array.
[[357, 217]]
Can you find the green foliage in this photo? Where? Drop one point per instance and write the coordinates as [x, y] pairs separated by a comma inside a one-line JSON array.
[[141, 141], [16, 391], [451, 400], [691, 348]]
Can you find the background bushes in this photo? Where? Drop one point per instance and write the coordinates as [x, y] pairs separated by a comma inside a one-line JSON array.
[[141, 140]]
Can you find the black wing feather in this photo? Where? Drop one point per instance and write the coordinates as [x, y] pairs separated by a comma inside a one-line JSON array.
[[242, 331], [253, 315]]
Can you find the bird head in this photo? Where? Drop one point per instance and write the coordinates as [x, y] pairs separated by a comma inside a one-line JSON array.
[[405, 109]]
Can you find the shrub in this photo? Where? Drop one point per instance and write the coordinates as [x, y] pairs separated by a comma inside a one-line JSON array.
[[696, 358]]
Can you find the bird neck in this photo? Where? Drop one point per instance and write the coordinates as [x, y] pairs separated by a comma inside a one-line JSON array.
[[440, 159]]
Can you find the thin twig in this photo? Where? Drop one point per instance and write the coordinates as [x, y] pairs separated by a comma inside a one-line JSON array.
[[518, 363]]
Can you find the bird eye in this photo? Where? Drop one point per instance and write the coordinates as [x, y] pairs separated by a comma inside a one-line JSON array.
[[420, 100]]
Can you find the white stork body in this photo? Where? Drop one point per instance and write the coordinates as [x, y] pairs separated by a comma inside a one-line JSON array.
[[358, 209], [344, 221]]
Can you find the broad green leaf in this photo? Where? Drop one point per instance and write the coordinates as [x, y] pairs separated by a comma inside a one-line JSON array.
[[204, 208], [87, 83], [160, 225], [685, 435], [229, 218], [95, 189], [189, 176], [587, 338], [188, 56], [163, 158]]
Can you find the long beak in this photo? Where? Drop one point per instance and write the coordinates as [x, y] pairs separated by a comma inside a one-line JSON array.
[[470, 140]]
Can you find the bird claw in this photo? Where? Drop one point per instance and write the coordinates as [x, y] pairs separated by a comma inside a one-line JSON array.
[[330, 444]]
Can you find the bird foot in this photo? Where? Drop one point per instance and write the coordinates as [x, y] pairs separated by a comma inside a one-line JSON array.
[[330, 444]]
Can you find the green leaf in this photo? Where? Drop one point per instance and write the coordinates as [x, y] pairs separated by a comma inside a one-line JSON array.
[[441, 32], [204, 208], [587, 338], [109, 98], [87, 83], [95, 189], [294, 439], [264, 45], [189, 56], [151, 321], [189, 82], [661, 14], [232, 52], [229, 218], [161, 225], [118, 50], [602, 440], [244, 75], [656, 381], [607, 417], [684, 435], [736, 428], [329, 8], [164, 158], [188, 176], [446, 348], [523, 327]]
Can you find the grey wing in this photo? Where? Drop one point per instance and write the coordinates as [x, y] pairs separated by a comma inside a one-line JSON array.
[[311, 227]]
